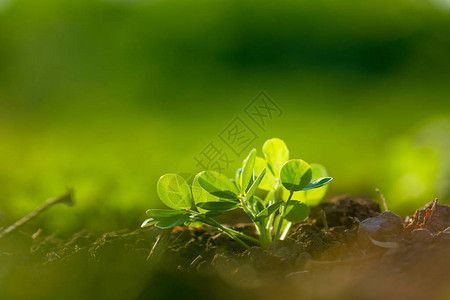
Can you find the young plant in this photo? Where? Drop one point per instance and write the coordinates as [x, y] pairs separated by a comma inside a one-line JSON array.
[[289, 185]]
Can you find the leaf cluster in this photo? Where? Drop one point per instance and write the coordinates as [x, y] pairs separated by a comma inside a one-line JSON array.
[[289, 187]]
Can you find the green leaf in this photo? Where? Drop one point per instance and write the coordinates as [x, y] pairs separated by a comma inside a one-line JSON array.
[[213, 214], [193, 224], [172, 221], [276, 154], [164, 213], [201, 217], [255, 184], [269, 181], [174, 191], [268, 211], [200, 194], [219, 206], [296, 212], [311, 197], [148, 222], [295, 174], [316, 183], [218, 185], [314, 196], [257, 204], [247, 171], [238, 178], [235, 184]]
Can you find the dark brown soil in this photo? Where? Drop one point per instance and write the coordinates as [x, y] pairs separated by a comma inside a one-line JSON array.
[[362, 254]]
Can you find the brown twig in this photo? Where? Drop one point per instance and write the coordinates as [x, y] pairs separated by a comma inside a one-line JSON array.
[[196, 261], [66, 198], [382, 199], [324, 220], [429, 213], [36, 234], [159, 246]]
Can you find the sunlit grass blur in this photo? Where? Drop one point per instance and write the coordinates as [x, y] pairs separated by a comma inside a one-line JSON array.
[[105, 96]]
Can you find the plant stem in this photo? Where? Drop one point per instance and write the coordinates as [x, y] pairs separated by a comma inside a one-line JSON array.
[[232, 233], [282, 215], [265, 237], [275, 199], [247, 210], [286, 230], [234, 237], [244, 236]]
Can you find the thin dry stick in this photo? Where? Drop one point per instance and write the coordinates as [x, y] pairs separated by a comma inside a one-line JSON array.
[[36, 234], [196, 261], [66, 198], [324, 220], [382, 199], [158, 249], [153, 248]]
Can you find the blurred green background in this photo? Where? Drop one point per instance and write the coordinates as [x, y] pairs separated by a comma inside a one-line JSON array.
[[107, 95]]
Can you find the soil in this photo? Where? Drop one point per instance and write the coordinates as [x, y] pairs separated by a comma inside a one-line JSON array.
[[356, 252]]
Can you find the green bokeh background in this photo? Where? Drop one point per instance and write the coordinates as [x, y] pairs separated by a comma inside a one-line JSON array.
[[106, 96]]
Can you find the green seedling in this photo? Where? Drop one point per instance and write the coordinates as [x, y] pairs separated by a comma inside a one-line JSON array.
[[273, 191]]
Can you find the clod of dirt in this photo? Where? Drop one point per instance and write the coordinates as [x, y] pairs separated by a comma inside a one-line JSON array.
[[442, 239], [434, 217], [263, 260], [422, 235], [313, 240], [287, 249], [225, 262], [342, 210], [386, 227]]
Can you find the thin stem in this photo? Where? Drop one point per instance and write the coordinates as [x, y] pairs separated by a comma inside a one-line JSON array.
[[289, 199], [246, 209], [244, 236], [233, 234], [275, 199], [282, 215], [234, 237], [275, 190], [286, 231], [382, 199], [216, 224], [264, 236], [270, 222], [66, 198]]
